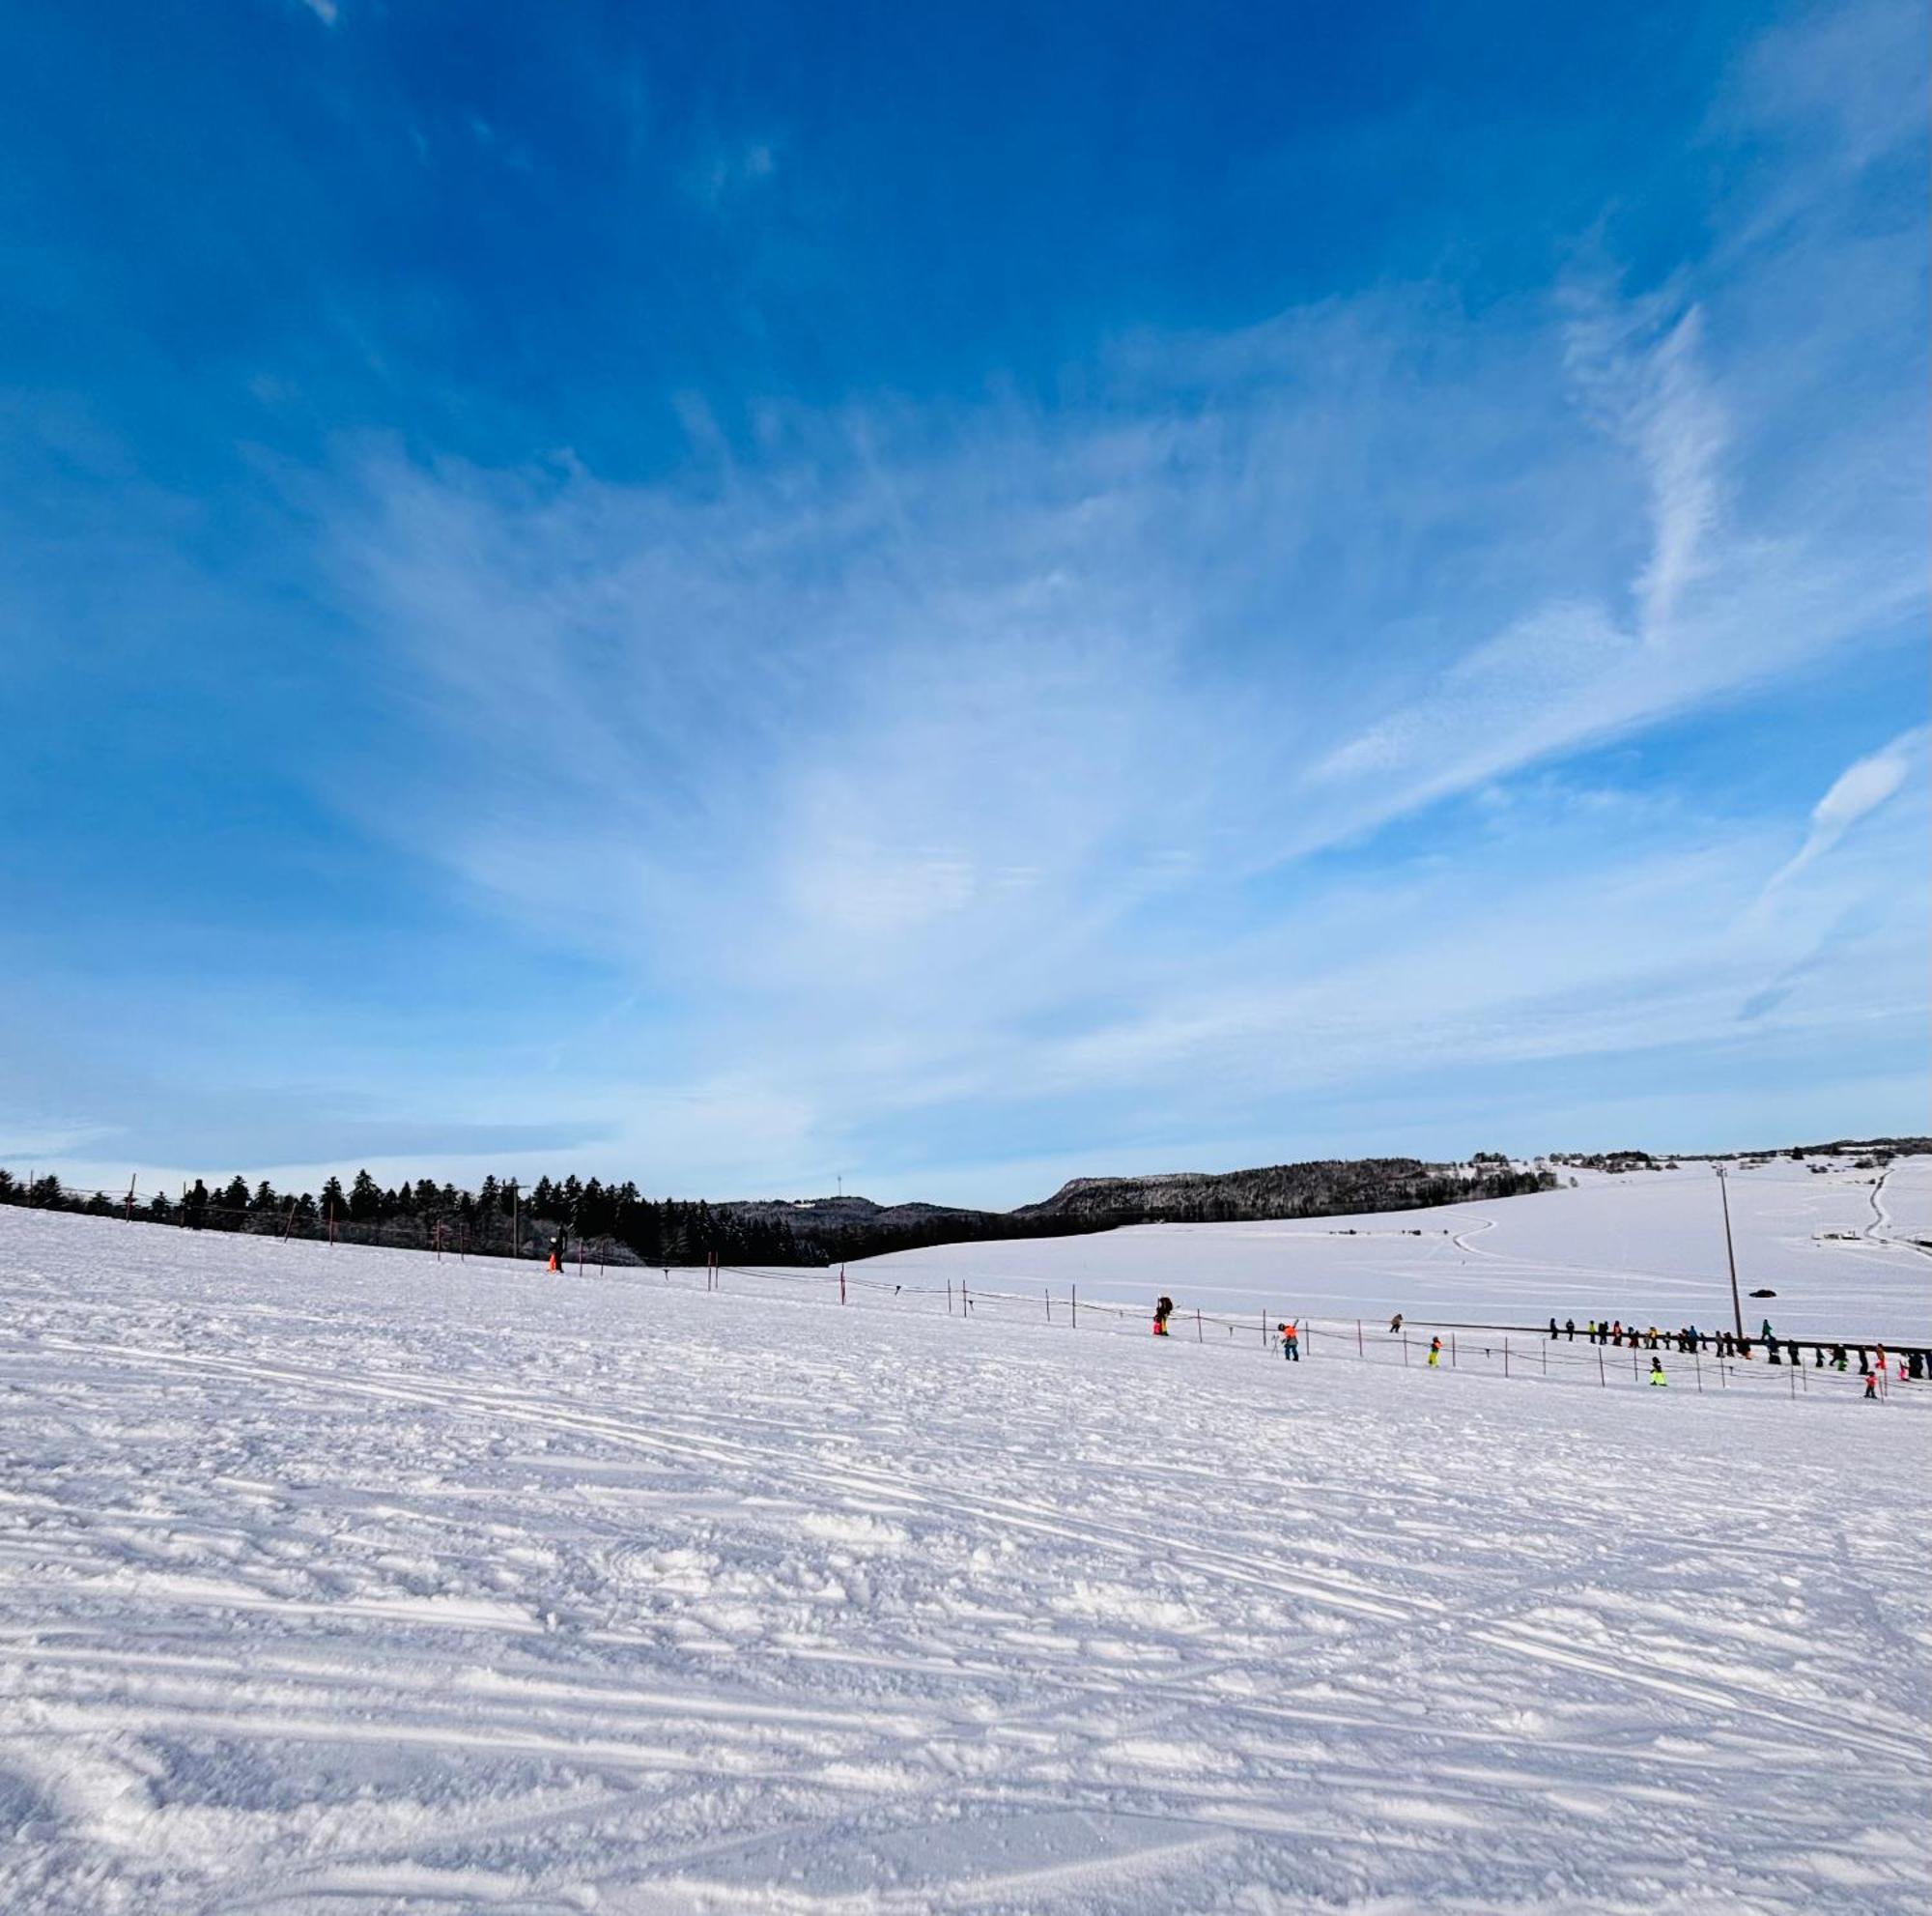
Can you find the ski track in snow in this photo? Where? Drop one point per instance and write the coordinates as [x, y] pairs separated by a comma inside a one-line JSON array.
[[355, 1581]]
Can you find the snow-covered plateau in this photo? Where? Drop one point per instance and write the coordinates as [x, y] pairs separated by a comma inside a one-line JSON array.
[[356, 1581]]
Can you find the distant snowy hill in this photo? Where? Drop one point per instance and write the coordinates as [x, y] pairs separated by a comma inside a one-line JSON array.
[[1323, 1188], [1847, 1250]]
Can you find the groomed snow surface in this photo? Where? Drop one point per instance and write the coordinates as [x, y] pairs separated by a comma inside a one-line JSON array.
[[1848, 1252], [353, 1581]]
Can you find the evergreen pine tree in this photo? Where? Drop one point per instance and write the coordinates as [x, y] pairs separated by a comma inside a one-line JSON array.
[[365, 1199]]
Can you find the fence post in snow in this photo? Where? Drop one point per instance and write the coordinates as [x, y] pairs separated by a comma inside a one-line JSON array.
[[1076, 1306], [1359, 1351], [841, 1283], [1698, 1365], [948, 1297], [1451, 1349], [1197, 1328], [1048, 1296], [1506, 1357], [1601, 1378], [1405, 1350]]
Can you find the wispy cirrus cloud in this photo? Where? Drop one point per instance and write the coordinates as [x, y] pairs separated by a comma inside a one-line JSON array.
[[1858, 791], [920, 756], [1376, 707]]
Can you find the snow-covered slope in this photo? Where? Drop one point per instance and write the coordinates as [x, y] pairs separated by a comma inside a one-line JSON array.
[[352, 1581], [1646, 1247]]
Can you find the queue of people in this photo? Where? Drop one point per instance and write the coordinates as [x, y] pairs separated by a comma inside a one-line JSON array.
[[1686, 1339]]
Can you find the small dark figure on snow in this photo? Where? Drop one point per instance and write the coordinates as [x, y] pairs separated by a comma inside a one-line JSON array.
[[1552, 1330], [1656, 1375], [1395, 1323], [1871, 1387], [1163, 1309], [1290, 1343], [1570, 1329]]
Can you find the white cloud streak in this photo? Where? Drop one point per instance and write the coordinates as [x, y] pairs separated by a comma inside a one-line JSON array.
[[1857, 791], [910, 760]]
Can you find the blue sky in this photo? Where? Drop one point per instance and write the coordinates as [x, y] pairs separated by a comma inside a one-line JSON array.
[[956, 596]]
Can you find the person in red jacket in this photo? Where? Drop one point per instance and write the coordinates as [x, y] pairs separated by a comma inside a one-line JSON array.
[[1163, 1309], [1290, 1343]]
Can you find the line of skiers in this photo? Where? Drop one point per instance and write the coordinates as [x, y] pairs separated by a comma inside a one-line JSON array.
[[1728, 1344]]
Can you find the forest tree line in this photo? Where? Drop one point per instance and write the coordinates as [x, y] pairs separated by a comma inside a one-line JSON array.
[[611, 1223], [502, 1217]]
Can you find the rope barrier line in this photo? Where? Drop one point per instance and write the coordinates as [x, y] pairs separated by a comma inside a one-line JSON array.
[[1501, 1357]]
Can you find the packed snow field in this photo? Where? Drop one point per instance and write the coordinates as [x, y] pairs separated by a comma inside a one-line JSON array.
[[1848, 1251], [353, 1580]]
